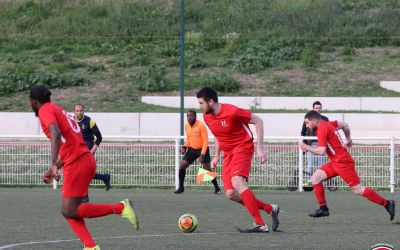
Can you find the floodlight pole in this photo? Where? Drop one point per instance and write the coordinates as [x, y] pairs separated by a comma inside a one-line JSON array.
[[182, 62]]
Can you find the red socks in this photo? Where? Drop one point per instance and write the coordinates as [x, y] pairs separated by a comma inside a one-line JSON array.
[[250, 202], [264, 206], [80, 229], [373, 196], [320, 194], [90, 210]]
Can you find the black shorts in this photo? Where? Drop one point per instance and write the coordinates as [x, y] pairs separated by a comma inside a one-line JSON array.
[[192, 154]]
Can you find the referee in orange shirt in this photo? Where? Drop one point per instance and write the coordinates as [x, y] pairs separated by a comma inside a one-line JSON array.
[[196, 146]]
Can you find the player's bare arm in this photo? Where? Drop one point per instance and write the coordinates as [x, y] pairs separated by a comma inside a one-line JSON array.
[[94, 148], [215, 161], [318, 150], [55, 141], [346, 129], [259, 124]]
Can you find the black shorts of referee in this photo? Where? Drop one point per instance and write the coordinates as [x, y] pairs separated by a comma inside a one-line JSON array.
[[192, 154]]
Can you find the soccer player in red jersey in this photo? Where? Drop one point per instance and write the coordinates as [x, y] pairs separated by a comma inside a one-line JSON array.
[[341, 163], [69, 151], [230, 126]]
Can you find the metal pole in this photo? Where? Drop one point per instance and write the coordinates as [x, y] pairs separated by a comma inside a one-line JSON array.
[[177, 150], [182, 63], [392, 166], [301, 164]]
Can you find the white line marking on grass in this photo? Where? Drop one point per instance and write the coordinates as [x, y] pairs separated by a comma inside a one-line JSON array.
[[114, 237]]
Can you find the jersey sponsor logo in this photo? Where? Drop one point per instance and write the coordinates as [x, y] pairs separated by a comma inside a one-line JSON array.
[[381, 246], [196, 132], [224, 123]]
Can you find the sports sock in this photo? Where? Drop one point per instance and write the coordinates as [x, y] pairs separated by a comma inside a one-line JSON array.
[[320, 194], [215, 183], [80, 229], [91, 210], [182, 174], [261, 205], [250, 202], [264, 206], [373, 196]]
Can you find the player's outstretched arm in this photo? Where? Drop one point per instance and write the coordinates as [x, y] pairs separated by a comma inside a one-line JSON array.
[[259, 124], [55, 140]]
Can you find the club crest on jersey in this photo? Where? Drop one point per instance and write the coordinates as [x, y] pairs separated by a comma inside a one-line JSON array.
[[83, 126], [224, 123]]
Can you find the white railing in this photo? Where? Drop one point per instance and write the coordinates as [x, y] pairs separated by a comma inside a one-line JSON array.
[[154, 162]]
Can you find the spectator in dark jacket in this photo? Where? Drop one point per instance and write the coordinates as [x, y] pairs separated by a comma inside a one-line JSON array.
[[92, 136]]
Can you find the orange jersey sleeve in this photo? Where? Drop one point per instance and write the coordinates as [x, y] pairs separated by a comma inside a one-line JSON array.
[[187, 128], [204, 137]]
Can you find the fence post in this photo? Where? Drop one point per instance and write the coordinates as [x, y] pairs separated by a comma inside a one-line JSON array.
[[300, 167], [177, 151], [392, 166], [54, 184]]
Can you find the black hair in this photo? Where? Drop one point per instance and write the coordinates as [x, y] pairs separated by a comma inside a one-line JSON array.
[[78, 104], [316, 103], [40, 93], [312, 114], [192, 111], [207, 94]]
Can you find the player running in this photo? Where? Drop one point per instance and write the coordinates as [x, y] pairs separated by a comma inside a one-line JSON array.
[[341, 164], [78, 167], [229, 124]]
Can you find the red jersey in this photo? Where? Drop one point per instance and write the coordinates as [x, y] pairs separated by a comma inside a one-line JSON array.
[[329, 137], [230, 126], [72, 144]]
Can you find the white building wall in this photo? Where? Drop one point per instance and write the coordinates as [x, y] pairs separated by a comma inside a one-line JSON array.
[[289, 103], [167, 124]]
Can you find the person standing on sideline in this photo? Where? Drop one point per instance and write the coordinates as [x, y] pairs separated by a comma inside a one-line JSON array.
[[69, 152], [196, 146], [230, 126], [90, 132], [341, 163]]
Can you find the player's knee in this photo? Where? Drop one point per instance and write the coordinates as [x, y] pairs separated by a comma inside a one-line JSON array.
[[230, 194], [315, 180], [358, 190], [68, 213], [183, 165]]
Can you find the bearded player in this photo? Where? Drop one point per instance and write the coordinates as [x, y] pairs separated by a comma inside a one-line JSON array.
[[230, 126]]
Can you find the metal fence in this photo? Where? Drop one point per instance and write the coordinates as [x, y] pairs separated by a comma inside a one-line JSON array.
[[154, 161]]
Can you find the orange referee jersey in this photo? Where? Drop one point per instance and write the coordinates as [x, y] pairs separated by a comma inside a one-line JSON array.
[[196, 136]]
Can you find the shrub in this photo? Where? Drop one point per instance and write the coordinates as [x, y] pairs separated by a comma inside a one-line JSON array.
[[194, 60], [347, 50], [20, 77], [152, 78], [309, 58], [219, 81]]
